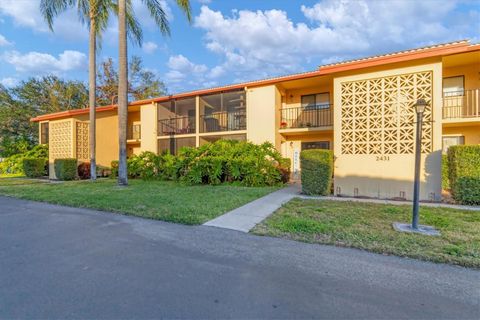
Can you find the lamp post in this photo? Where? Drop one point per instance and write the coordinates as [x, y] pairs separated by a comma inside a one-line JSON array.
[[419, 109]]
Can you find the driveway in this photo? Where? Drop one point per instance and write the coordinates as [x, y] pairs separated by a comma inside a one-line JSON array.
[[59, 262]]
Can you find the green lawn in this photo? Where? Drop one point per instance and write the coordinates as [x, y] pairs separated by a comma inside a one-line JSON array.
[[161, 200], [369, 226]]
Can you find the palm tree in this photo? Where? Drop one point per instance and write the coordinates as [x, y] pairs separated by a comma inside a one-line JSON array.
[[158, 14], [94, 13]]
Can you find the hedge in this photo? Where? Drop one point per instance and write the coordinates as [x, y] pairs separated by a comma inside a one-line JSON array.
[[445, 178], [14, 164], [464, 173], [317, 170], [34, 167], [65, 169]]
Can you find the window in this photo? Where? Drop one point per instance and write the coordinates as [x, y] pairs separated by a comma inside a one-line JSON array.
[[316, 145], [448, 141], [207, 139], [44, 133], [173, 145], [453, 86], [316, 101]]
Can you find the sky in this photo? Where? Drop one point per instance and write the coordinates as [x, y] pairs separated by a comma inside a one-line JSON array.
[[231, 41]]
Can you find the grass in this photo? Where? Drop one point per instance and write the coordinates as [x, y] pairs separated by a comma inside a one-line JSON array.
[[369, 226], [160, 200]]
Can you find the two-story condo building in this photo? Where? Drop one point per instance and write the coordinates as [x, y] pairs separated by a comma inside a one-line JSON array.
[[361, 109]]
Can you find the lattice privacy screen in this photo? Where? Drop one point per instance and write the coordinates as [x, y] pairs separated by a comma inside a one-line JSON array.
[[378, 117], [83, 153], [60, 141]]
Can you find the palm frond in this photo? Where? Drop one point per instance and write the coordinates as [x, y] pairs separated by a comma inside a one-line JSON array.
[[52, 8]]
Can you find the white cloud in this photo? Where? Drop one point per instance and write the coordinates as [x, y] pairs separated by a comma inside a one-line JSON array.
[[4, 42], [149, 47], [257, 44], [9, 82], [184, 74], [37, 63], [26, 13]]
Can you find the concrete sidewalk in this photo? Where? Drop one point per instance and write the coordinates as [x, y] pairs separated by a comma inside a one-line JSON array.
[[248, 216]]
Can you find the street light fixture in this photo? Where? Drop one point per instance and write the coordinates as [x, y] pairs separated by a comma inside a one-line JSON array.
[[420, 107]]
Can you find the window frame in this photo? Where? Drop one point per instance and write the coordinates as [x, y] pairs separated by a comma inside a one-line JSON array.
[[456, 93], [318, 141], [316, 105]]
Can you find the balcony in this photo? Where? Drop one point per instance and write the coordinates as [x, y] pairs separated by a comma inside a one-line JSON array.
[[224, 121], [461, 104], [134, 132], [307, 117], [179, 125]]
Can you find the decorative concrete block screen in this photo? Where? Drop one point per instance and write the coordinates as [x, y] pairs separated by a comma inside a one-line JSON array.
[[83, 153], [377, 115], [60, 138]]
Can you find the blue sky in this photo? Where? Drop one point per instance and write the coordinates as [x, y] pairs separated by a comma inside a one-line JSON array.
[[233, 41]]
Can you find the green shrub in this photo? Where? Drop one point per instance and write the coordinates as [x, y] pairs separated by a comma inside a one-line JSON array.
[[14, 163], [464, 172], [231, 161], [83, 170], [34, 167], [65, 169], [114, 169], [468, 190], [445, 179], [317, 170]]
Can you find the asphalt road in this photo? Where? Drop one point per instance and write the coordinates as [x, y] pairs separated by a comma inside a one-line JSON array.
[[58, 262]]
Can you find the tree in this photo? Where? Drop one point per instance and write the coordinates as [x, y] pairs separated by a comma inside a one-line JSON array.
[[95, 14], [158, 14], [142, 84], [29, 99]]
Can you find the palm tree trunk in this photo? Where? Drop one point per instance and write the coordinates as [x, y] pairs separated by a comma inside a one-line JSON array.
[[92, 73], [122, 94]]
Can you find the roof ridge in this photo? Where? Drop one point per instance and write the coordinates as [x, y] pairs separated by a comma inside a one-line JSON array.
[[433, 46]]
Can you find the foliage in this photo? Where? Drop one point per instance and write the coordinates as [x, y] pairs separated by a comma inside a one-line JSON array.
[[213, 163], [464, 173], [29, 99], [317, 171], [35, 167], [83, 170], [368, 226], [14, 163], [445, 179], [143, 83], [231, 161], [468, 190], [114, 169], [65, 169]]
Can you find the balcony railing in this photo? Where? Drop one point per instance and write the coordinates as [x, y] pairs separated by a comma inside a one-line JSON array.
[[134, 132], [224, 121], [306, 117], [461, 104], [180, 125]]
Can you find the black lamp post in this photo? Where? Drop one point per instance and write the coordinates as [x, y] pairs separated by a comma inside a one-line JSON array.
[[419, 109]]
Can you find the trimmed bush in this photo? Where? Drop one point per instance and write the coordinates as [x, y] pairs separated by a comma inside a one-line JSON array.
[[317, 170], [34, 167], [468, 190], [445, 179], [14, 164], [464, 173], [65, 169], [83, 170]]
